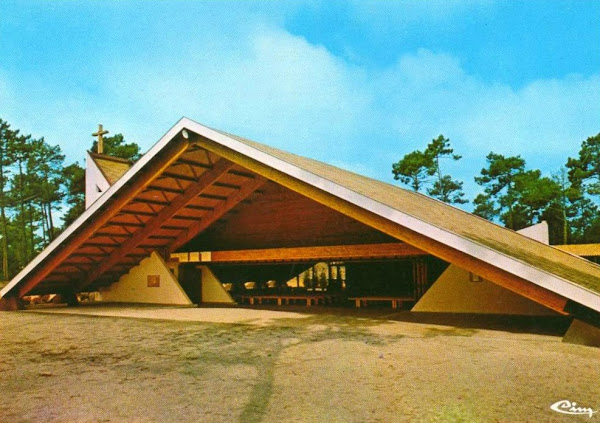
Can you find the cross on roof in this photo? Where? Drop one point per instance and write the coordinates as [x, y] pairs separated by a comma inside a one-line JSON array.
[[100, 134]]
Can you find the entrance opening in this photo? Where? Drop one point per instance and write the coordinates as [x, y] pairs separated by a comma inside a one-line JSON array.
[[190, 279], [344, 283]]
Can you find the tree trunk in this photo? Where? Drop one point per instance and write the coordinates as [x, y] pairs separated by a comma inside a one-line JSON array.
[[50, 222], [565, 221], [4, 244], [4, 228], [31, 234], [44, 226], [22, 209]]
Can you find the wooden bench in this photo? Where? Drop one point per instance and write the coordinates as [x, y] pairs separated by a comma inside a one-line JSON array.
[[396, 301], [310, 299]]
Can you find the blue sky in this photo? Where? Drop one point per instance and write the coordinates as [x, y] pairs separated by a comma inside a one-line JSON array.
[[354, 83]]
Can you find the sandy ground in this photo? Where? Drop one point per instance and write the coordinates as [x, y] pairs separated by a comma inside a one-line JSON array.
[[126, 364]]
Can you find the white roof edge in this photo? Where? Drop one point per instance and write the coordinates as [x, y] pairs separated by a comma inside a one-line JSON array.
[[524, 270], [155, 149]]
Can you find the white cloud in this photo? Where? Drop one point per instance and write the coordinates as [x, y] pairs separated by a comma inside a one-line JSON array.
[[278, 88], [546, 117]]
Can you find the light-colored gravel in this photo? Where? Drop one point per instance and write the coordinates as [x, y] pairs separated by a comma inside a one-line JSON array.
[[249, 365]]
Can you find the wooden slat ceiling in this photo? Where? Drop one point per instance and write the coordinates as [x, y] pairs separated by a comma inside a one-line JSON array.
[[188, 196]]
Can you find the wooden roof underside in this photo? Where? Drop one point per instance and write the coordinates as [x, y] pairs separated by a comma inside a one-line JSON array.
[[207, 202], [174, 204]]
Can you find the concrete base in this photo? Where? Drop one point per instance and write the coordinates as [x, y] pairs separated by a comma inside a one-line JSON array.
[[582, 333], [11, 304]]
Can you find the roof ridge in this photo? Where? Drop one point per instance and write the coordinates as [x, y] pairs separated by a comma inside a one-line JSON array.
[[103, 156]]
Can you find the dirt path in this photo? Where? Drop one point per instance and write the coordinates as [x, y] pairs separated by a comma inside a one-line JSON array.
[[227, 365]]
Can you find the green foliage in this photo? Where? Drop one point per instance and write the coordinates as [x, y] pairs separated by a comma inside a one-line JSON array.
[[584, 171], [117, 147], [34, 188], [448, 190], [420, 168], [30, 196], [584, 192], [518, 197], [500, 173], [444, 188], [413, 169], [485, 207], [74, 182]]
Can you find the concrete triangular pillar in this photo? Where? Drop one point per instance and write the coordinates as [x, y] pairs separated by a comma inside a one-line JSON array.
[[582, 333]]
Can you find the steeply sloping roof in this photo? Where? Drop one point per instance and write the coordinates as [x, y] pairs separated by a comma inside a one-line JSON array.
[[451, 219], [111, 167], [584, 250], [544, 266]]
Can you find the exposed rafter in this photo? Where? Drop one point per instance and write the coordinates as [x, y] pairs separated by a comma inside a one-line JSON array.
[[162, 162], [137, 213], [191, 192], [245, 191]]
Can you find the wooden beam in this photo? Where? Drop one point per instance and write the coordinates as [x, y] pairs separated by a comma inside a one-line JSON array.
[[330, 252], [242, 174], [100, 244], [150, 246], [209, 218], [226, 185], [194, 207], [110, 235], [140, 182], [165, 189], [488, 271], [137, 213], [88, 255], [149, 201], [214, 197], [129, 224], [193, 163], [192, 191], [173, 228], [190, 218], [173, 175]]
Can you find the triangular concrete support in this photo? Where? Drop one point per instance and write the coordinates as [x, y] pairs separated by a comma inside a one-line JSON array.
[[582, 333], [150, 282], [212, 289]]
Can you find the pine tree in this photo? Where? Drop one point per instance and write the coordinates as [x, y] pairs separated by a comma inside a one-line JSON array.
[[444, 188], [419, 169], [518, 197]]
